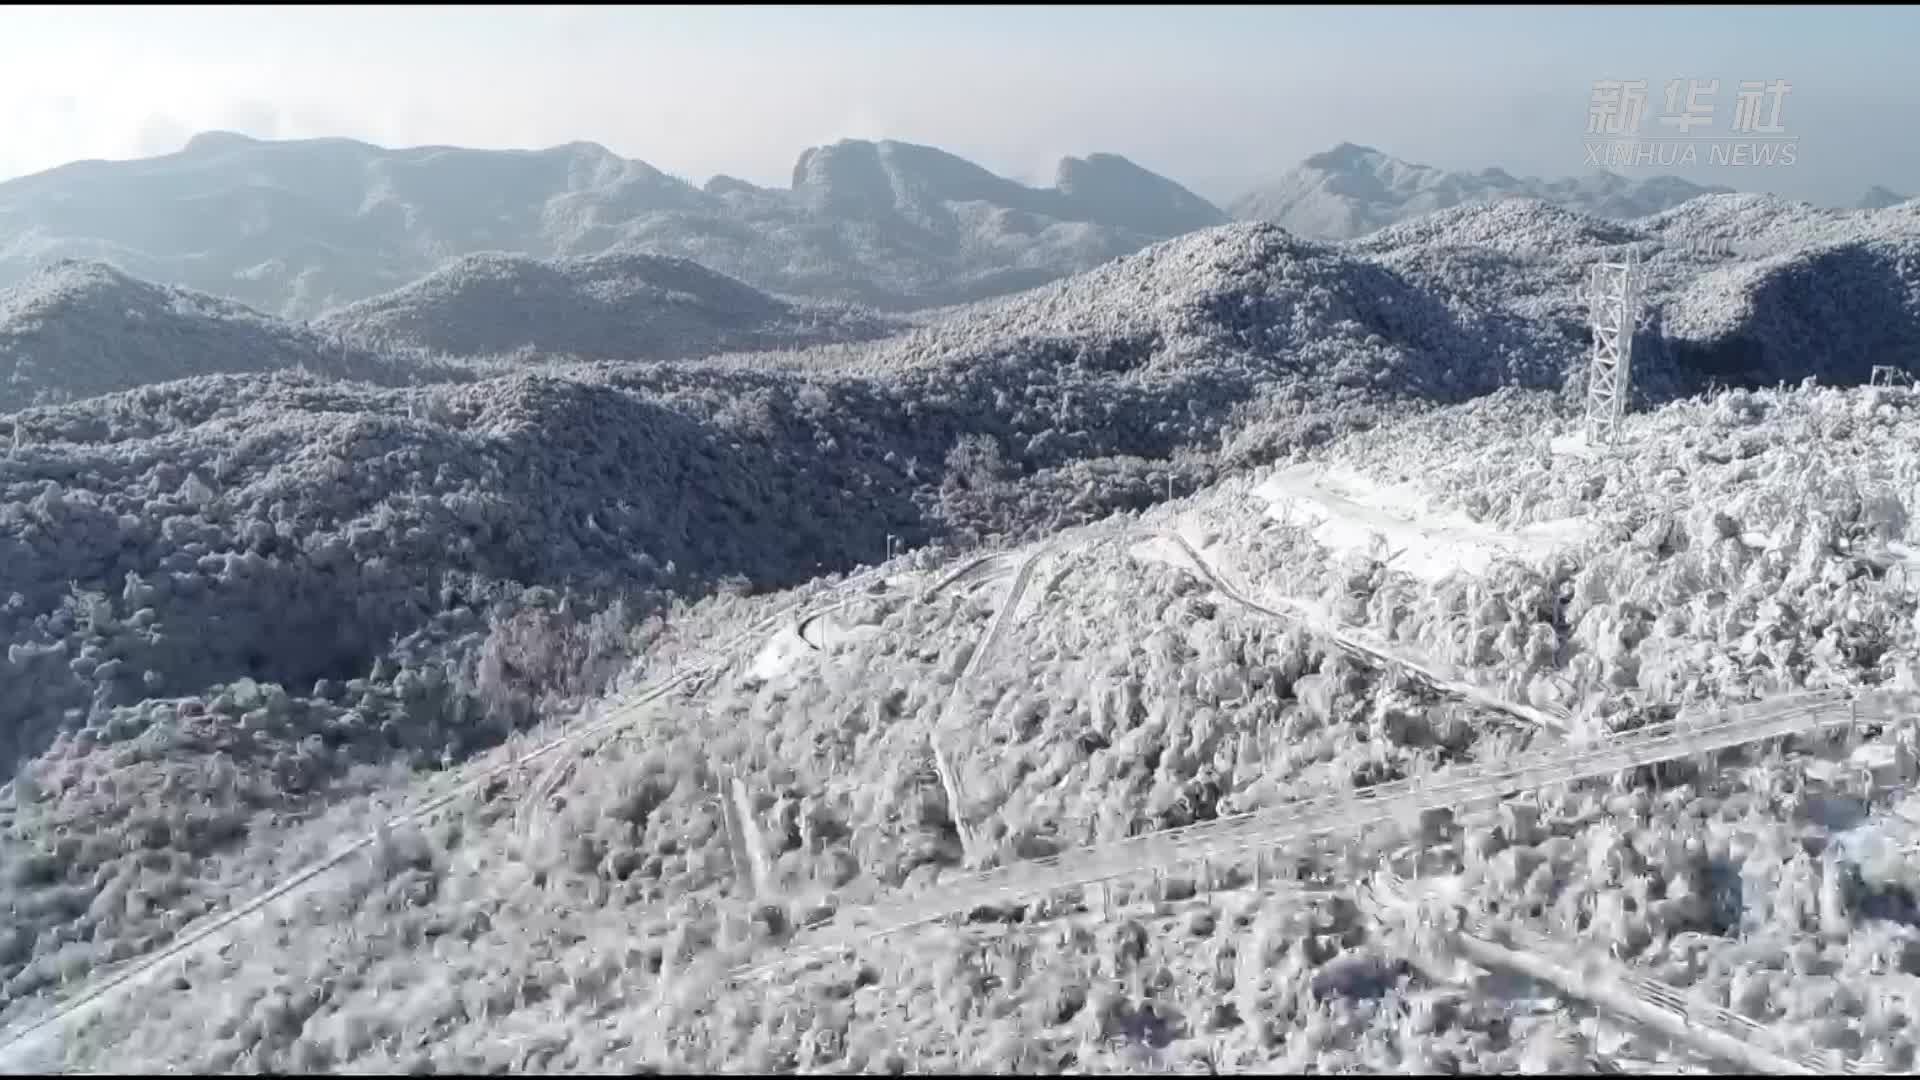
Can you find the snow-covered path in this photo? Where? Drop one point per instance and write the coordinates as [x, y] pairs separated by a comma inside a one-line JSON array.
[[1187, 545], [1351, 512], [1711, 1030], [1242, 835]]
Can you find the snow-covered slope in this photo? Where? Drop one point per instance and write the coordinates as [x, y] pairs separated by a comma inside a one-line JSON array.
[[1736, 289], [251, 615], [77, 329], [1110, 189], [1856, 304], [613, 307], [1840, 286], [296, 227], [586, 915], [1352, 190]]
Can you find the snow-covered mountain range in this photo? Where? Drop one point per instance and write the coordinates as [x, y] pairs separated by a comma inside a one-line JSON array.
[[1235, 522], [1352, 190], [298, 227]]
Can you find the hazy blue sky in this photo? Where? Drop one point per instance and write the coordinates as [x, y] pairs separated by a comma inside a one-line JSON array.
[[1214, 97]]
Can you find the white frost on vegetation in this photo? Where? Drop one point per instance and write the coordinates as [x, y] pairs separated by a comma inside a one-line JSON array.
[[248, 613], [1350, 513]]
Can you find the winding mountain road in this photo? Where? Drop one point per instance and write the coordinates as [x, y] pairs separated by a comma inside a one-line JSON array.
[[32, 1045], [1711, 1030], [1237, 836]]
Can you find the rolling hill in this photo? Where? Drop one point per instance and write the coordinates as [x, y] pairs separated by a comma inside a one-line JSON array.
[[80, 329], [597, 307]]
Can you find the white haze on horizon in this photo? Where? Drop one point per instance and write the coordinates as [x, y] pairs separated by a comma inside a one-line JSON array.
[[1215, 98]]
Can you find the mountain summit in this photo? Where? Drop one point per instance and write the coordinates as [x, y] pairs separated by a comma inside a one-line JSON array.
[[1879, 198], [1352, 190], [299, 227]]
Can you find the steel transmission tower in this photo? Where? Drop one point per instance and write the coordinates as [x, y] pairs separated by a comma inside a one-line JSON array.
[[1610, 375]]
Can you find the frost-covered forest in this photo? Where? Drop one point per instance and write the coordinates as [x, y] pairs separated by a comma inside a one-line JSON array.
[[267, 585]]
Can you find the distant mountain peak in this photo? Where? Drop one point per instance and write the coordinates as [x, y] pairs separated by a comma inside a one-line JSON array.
[[301, 226], [216, 141], [1352, 190], [1879, 198], [1071, 168], [75, 266], [722, 184], [1344, 156], [871, 180], [1111, 188]]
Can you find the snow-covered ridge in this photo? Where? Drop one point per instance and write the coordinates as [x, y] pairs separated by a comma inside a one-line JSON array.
[[1352, 190], [81, 329], [604, 307], [298, 227]]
